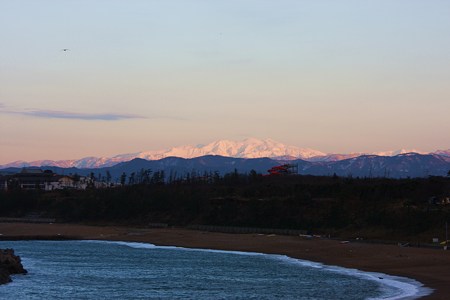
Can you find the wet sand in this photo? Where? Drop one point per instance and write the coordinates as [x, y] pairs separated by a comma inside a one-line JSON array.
[[429, 266]]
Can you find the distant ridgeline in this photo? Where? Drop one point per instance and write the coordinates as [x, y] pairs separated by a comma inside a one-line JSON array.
[[410, 165]]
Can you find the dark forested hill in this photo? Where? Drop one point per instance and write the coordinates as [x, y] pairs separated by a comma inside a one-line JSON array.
[[370, 207]]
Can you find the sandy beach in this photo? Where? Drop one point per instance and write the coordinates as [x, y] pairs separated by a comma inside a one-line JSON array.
[[429, 266]]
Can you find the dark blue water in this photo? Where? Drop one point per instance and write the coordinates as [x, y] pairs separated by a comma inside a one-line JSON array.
[[119, 270]]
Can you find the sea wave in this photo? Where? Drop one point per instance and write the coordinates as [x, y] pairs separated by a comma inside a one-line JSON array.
[[392, 287], [395, 287]]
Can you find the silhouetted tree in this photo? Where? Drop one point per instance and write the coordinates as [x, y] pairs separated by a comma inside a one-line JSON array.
[[132, 179], [123, 178], [76, 177]]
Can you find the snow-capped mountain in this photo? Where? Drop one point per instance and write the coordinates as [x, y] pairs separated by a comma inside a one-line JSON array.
[[397, 152], [443, 152], [368, 166], [333, 157], [248, 148], [397, 166]]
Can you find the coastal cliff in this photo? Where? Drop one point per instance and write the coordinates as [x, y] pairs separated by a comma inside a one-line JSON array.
[[9, 264]]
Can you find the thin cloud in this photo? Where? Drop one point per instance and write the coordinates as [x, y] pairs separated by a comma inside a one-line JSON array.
[[51, 114], [54, 114]]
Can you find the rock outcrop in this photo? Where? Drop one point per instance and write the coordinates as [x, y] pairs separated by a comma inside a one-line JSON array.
[[9, 264]]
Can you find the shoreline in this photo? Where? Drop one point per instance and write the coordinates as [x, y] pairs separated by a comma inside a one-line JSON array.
[[409, 287], [427, 266]]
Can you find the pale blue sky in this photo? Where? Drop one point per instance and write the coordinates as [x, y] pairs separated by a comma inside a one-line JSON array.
[[336, 76]]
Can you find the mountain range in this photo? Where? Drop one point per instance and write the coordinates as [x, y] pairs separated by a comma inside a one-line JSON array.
[[399, 166], [248, 148], [259, 155]]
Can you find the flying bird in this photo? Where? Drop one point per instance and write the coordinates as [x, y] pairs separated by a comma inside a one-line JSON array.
[[65, 49]]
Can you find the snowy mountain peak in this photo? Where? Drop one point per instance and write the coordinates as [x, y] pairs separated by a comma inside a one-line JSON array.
[[397, 152], [248, 148]]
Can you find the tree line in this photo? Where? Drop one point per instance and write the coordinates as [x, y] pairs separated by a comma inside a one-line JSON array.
[[376, 207]]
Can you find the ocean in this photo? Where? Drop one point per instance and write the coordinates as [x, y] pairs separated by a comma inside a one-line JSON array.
[[124, 270]]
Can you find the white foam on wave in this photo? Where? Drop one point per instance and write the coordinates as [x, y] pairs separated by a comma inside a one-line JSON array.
[[138, 245], [396, 287]]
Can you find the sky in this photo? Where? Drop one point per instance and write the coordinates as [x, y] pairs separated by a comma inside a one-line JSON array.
[[138, 75]]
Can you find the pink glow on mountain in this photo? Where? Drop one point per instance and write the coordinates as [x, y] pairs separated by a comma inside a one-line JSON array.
[[248, 148]]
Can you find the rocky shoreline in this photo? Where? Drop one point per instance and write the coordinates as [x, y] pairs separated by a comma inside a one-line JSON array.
[[10, 264]]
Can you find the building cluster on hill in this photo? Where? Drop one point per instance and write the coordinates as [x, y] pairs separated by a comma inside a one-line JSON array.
[[38, 179], [439, 200]]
